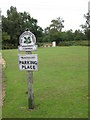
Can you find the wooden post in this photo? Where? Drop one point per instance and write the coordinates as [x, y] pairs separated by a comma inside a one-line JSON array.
[[30, 88]]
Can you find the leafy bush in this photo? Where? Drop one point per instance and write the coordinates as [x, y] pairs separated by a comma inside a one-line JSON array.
[[74, 43], [9, 46]]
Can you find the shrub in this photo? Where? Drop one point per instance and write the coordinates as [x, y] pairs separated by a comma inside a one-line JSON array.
[[74, 43]]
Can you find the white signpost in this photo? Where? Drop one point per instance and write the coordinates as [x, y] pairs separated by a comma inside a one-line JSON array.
[[28, 61]]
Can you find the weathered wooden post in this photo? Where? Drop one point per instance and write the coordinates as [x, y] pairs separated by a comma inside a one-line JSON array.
[[28, 61], [30, 90]]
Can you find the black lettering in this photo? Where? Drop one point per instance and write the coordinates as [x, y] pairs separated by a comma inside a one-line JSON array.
[[33, 62], [27, 62], [20, 62], [31, 67], [36, 62], [34, 67], [23, 62], [28, 67], [23, 67]]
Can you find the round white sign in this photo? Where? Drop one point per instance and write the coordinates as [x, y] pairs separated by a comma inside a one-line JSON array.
[[27, 38]]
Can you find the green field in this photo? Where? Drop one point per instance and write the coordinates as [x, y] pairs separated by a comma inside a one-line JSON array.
[[60, 85]]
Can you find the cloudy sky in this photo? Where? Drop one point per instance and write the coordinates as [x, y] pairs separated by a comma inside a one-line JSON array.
[[72, 11]]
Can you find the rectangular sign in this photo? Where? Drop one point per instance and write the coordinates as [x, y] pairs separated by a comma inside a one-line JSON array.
[[28, 62], [27, 48]]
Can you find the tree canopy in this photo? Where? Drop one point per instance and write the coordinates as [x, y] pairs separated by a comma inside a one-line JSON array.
[[17, 22], [86, 26]]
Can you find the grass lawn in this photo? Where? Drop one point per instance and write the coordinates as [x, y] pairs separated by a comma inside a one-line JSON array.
[[60, 85]]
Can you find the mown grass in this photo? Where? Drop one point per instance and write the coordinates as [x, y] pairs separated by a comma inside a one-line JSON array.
[[60, 85]]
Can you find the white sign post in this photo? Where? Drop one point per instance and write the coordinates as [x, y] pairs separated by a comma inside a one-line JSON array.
[[28, 61]]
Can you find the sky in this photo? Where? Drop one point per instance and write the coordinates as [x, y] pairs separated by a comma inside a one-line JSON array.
[[71, 11]]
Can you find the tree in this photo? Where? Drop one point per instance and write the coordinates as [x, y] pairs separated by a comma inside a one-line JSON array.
[[56, 25], [52, 33], [86, 27], [5, 39], [15, 23], [79, 35], [11, 24], [69, 35]]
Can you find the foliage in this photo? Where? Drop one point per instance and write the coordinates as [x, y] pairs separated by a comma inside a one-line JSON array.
[[64, 36], [86, 27], [56, 25], [74, 43], [5, 40], [54, 33], [5, 36], [15, 23]]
